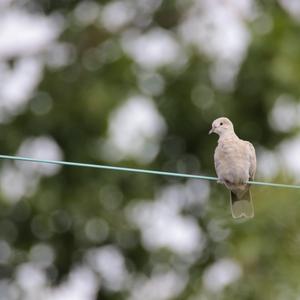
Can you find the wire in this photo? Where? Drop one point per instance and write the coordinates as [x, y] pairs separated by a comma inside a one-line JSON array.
[[134, 170]]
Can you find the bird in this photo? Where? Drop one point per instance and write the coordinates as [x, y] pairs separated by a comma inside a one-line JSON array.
[[235, 164]]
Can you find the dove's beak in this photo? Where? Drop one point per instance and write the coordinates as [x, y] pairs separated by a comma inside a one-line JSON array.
[[211, 131]]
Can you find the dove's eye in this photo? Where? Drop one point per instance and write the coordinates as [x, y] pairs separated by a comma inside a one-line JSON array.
[[221, 123]]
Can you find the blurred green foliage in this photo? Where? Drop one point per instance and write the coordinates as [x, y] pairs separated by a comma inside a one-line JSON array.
[[86, 92]]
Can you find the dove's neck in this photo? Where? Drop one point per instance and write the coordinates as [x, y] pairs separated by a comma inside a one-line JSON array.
[[228, 135]]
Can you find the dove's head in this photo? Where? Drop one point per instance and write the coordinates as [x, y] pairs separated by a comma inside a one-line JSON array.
[[221, 126]]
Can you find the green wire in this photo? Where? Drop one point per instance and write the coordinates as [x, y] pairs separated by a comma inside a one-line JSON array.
[[134, 170]]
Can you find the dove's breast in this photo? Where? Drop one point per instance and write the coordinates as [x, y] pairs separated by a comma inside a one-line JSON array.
[[232, 161]]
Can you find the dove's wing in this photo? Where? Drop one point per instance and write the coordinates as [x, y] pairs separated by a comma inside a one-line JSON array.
[[252, 169], [241, 202]]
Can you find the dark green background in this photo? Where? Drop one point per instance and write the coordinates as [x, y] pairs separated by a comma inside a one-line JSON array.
[[266, 249]]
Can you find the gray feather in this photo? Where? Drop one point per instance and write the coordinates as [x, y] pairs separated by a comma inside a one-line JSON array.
[[241, 207]]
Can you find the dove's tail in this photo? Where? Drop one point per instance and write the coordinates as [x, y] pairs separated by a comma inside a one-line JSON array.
[[241, 205]]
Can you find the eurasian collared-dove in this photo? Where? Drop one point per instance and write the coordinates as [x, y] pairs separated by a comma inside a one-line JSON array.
[[235, 163]]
